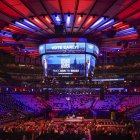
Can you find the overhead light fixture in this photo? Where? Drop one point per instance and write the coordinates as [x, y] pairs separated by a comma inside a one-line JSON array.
[[55, 14], [23, 26], [123, 27], [132, 29], [29, 23], [40, 24], [57, 18], [126, 33], [68, 20], [79, 18], [47, 19], [109, 23], [5, 33], [99, 21], [69, 14], [81, 15], [88, 21], [35, 19], [118, 24]]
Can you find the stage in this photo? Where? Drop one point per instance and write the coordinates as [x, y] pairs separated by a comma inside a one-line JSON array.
[[74, 119]]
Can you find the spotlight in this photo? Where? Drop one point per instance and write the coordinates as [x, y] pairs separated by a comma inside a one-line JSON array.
[[69, 14], [55, 14], [81, 15]]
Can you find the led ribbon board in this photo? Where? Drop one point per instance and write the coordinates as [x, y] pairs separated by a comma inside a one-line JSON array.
[[71, 47]]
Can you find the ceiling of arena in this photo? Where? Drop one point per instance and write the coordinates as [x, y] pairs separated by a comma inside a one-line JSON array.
[[112, 24]]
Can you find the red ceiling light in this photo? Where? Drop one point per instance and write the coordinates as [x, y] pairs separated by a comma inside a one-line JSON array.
[[123, 27], [35, 19], [7, 28], [118, 24], [39, 23], [42, 25], [79, 19], [18, 29], [89, 21], [47, 19]]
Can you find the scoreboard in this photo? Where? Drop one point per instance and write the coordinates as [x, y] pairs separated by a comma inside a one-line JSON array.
[[68, 59]]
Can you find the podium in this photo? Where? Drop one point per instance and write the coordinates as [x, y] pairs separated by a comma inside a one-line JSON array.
[[74, 119]]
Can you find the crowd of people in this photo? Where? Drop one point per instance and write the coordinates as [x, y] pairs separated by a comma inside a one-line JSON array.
[[50, 130], [60, 105]]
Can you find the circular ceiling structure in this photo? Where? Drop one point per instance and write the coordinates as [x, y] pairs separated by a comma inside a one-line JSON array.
[[24, 24]]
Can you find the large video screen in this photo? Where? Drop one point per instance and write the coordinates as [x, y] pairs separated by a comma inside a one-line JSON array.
[[68, 59], [68, 65], [90, 64], [64, 65]]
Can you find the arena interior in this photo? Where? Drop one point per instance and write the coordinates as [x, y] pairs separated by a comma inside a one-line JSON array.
[[69, 69]]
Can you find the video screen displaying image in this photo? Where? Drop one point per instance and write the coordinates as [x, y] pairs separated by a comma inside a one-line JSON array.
[[64, 65], [90, 64], [92, 48], [42, 49], [89, 47]]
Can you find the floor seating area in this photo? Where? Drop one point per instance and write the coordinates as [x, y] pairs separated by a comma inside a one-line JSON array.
[[26, 104]]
